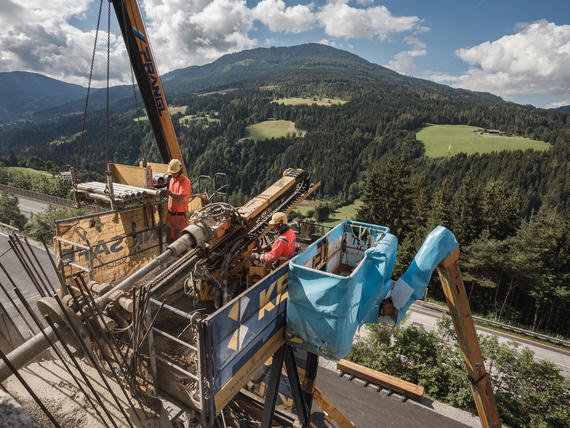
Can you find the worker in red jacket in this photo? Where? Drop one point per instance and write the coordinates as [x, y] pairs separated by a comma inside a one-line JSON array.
[[284, 246], [179, 190]]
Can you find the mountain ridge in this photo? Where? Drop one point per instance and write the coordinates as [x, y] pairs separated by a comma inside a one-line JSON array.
[[300, 64]]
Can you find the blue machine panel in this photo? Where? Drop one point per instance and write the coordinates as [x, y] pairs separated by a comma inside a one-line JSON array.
[[241, 336]]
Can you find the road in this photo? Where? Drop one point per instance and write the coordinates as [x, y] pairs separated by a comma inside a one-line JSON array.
[[428, 319], [31, 206], [10, 262]]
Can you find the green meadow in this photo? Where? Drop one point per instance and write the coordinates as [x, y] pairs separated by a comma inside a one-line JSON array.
[[320, 101], [347, 212], [447, 140], [272, 129]]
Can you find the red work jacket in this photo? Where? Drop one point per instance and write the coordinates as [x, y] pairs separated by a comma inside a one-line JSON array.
[[177, 219], [180, 185], [282, 248]]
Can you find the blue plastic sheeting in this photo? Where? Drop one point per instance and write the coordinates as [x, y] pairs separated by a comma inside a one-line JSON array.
[[324, 309], [438, 246]]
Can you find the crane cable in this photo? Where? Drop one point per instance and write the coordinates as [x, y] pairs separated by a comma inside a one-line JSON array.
[[127, 41], [84, 120], [82, 135]]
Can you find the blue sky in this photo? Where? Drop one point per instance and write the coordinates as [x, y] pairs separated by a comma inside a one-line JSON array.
[[519, 50]]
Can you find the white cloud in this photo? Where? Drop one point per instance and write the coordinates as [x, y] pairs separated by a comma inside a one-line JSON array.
[[403, 63], [534, 60], [194, 32], [278, 17], [415, 42], [38, 38], [42, 37], [327, 42], [558, 104], [341, 20]]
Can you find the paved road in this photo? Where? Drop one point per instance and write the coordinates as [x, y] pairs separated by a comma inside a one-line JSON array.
[[427, 318], [10, 262], [31, 206]]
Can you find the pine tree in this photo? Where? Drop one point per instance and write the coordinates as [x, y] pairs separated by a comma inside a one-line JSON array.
[[467, 222]]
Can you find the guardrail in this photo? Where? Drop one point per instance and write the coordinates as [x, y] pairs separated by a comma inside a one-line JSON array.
[[50, 199], [507, 327], [54, 200], [8, 229]]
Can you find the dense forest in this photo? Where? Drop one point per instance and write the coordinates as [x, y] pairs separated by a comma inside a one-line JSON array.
[[509, 210]]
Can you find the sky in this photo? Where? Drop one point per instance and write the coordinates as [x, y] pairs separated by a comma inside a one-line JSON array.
[[516, 49]]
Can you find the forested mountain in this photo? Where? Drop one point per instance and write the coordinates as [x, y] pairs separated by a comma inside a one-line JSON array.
[[24, 94], [509, 210]]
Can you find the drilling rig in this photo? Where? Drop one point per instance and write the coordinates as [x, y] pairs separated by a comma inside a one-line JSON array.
[[192, 322]]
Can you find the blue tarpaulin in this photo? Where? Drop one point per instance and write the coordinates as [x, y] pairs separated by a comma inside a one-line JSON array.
[[336, 285], [438, 246]]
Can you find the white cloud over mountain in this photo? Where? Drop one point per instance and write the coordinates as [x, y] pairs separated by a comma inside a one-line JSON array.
[[534, 60], [39, 36]]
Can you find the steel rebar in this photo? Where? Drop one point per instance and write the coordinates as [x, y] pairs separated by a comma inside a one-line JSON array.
[[101, 333], [108, 337], [30, 391], [13, 303], [82, 373], [31, 265], [57, 351], [16, 250], [40, 265], [89, 355]]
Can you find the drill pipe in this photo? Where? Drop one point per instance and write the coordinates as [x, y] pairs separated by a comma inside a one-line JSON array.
[[25, 353]]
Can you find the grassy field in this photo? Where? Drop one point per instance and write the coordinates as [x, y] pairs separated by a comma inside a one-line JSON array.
[[309, 101], [272, 129], [348, 212], [171, 109], [203, 120], [438, 139], [28, 171], [220, 92]]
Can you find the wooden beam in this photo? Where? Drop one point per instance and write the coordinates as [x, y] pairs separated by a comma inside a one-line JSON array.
[[397, 385], [331, 410]]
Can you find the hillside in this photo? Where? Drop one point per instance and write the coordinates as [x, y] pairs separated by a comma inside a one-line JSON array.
[[24, 94], [382, 112]]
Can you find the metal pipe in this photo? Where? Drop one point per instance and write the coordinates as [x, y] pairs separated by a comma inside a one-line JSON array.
[[38, 344], [174, 249]]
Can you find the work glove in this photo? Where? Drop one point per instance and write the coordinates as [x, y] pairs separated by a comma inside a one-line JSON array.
[[163, 193], [253, 256]]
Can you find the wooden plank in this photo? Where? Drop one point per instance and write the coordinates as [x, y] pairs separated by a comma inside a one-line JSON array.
[[131, 175], [158, 167], [331, 410], [397, 385], [120, 242]]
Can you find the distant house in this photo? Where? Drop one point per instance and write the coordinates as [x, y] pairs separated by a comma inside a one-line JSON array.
[[493, 132], [489, 132], [65, 175]]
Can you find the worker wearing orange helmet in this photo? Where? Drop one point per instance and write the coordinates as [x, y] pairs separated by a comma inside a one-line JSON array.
[[284, 246], [179, 190]]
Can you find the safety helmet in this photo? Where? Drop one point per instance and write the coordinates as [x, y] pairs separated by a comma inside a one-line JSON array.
[[278, 218], [174, 166]]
